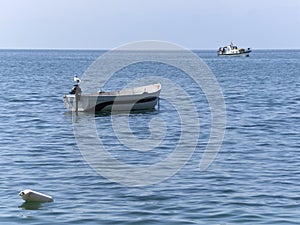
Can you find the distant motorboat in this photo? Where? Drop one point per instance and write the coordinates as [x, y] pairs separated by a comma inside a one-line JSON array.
[[232, 50], [138, 98]]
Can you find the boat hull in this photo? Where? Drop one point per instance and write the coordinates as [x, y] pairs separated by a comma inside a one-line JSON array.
[[245, 54], [114, 101]]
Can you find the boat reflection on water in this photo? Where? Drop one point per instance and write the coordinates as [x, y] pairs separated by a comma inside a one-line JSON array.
[[31, 206], [133, 112]]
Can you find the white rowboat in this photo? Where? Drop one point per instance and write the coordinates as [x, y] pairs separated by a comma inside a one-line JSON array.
[[138, 98], [34, 196]]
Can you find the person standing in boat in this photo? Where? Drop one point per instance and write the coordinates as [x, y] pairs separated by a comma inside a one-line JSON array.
[[220, 50], [76, 88]]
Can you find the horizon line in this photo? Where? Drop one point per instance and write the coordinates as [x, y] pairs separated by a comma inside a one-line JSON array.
[[108, 49]]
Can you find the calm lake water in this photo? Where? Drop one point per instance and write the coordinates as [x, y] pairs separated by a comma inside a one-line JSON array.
[[253, 180]]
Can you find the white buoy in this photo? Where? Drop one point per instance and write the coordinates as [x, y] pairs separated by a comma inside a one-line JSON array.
[[34, 196]]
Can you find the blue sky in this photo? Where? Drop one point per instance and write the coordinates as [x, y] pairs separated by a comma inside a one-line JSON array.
[[105, 24]]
